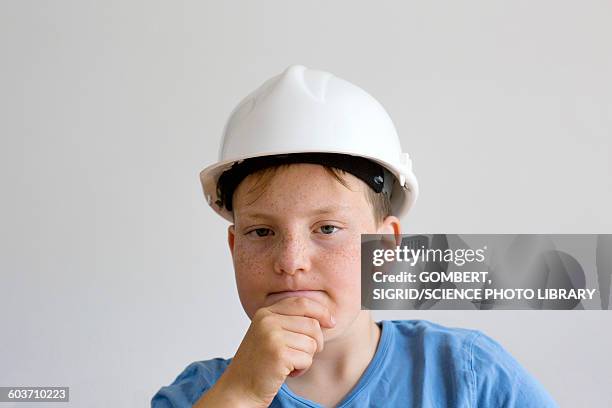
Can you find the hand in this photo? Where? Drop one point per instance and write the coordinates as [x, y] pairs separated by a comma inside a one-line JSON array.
[[281, 341]]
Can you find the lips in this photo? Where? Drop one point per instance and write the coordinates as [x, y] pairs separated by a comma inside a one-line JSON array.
[[316, 295]]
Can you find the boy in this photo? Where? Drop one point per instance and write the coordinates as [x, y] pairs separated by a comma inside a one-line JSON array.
[[308, 163]]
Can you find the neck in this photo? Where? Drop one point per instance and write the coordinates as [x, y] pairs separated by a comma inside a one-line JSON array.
[[344, 358]]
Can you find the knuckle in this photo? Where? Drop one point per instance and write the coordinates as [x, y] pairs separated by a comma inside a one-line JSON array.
[[313, 345], [268, 320], [287, 357], [279, 354], [314, 324], [301, 301], [274, 339]]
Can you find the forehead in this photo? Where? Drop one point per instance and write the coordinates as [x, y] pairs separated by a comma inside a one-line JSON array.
[[300, 189]]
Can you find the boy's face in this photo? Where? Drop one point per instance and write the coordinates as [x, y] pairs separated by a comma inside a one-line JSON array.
[[302, 233]]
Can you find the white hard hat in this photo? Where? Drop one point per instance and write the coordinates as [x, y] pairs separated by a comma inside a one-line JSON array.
[[310, 111]]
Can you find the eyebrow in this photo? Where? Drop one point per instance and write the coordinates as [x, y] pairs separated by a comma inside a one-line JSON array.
[[333, 209]]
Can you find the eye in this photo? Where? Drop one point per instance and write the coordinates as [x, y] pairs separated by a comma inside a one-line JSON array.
[[328, 229], [261, 232]]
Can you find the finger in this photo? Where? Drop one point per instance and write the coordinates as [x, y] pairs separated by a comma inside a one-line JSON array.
[[300, 342], [296, 373], [304, 326], [302, 306], [298, 361]]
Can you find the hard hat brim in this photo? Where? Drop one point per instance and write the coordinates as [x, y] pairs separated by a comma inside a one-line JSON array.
[[403, 196]]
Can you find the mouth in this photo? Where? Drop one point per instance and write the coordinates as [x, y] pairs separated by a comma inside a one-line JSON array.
[[316, 295]]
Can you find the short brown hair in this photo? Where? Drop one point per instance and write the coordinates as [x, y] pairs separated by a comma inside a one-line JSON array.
[[380, 202]]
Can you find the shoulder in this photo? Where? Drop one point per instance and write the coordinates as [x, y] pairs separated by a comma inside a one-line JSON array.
[[493, 377], [429, 335], [190, 384], [429, 328], [500, 380], [441, 349]]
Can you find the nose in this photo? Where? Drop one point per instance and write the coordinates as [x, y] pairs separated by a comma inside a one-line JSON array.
[[292, 255]]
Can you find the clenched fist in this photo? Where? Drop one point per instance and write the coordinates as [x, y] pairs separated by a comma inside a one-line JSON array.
[[280, 342]]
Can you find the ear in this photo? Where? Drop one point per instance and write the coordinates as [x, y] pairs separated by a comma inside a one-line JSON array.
[[230, 238], [391, 225]]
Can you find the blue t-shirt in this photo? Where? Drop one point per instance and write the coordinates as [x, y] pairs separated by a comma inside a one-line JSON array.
[[417, 364]]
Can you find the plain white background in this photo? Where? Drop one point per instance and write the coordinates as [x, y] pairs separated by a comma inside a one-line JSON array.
[[114, 272]]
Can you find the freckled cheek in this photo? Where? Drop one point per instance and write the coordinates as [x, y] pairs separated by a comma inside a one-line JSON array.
[[251, 277], [343, 277]]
